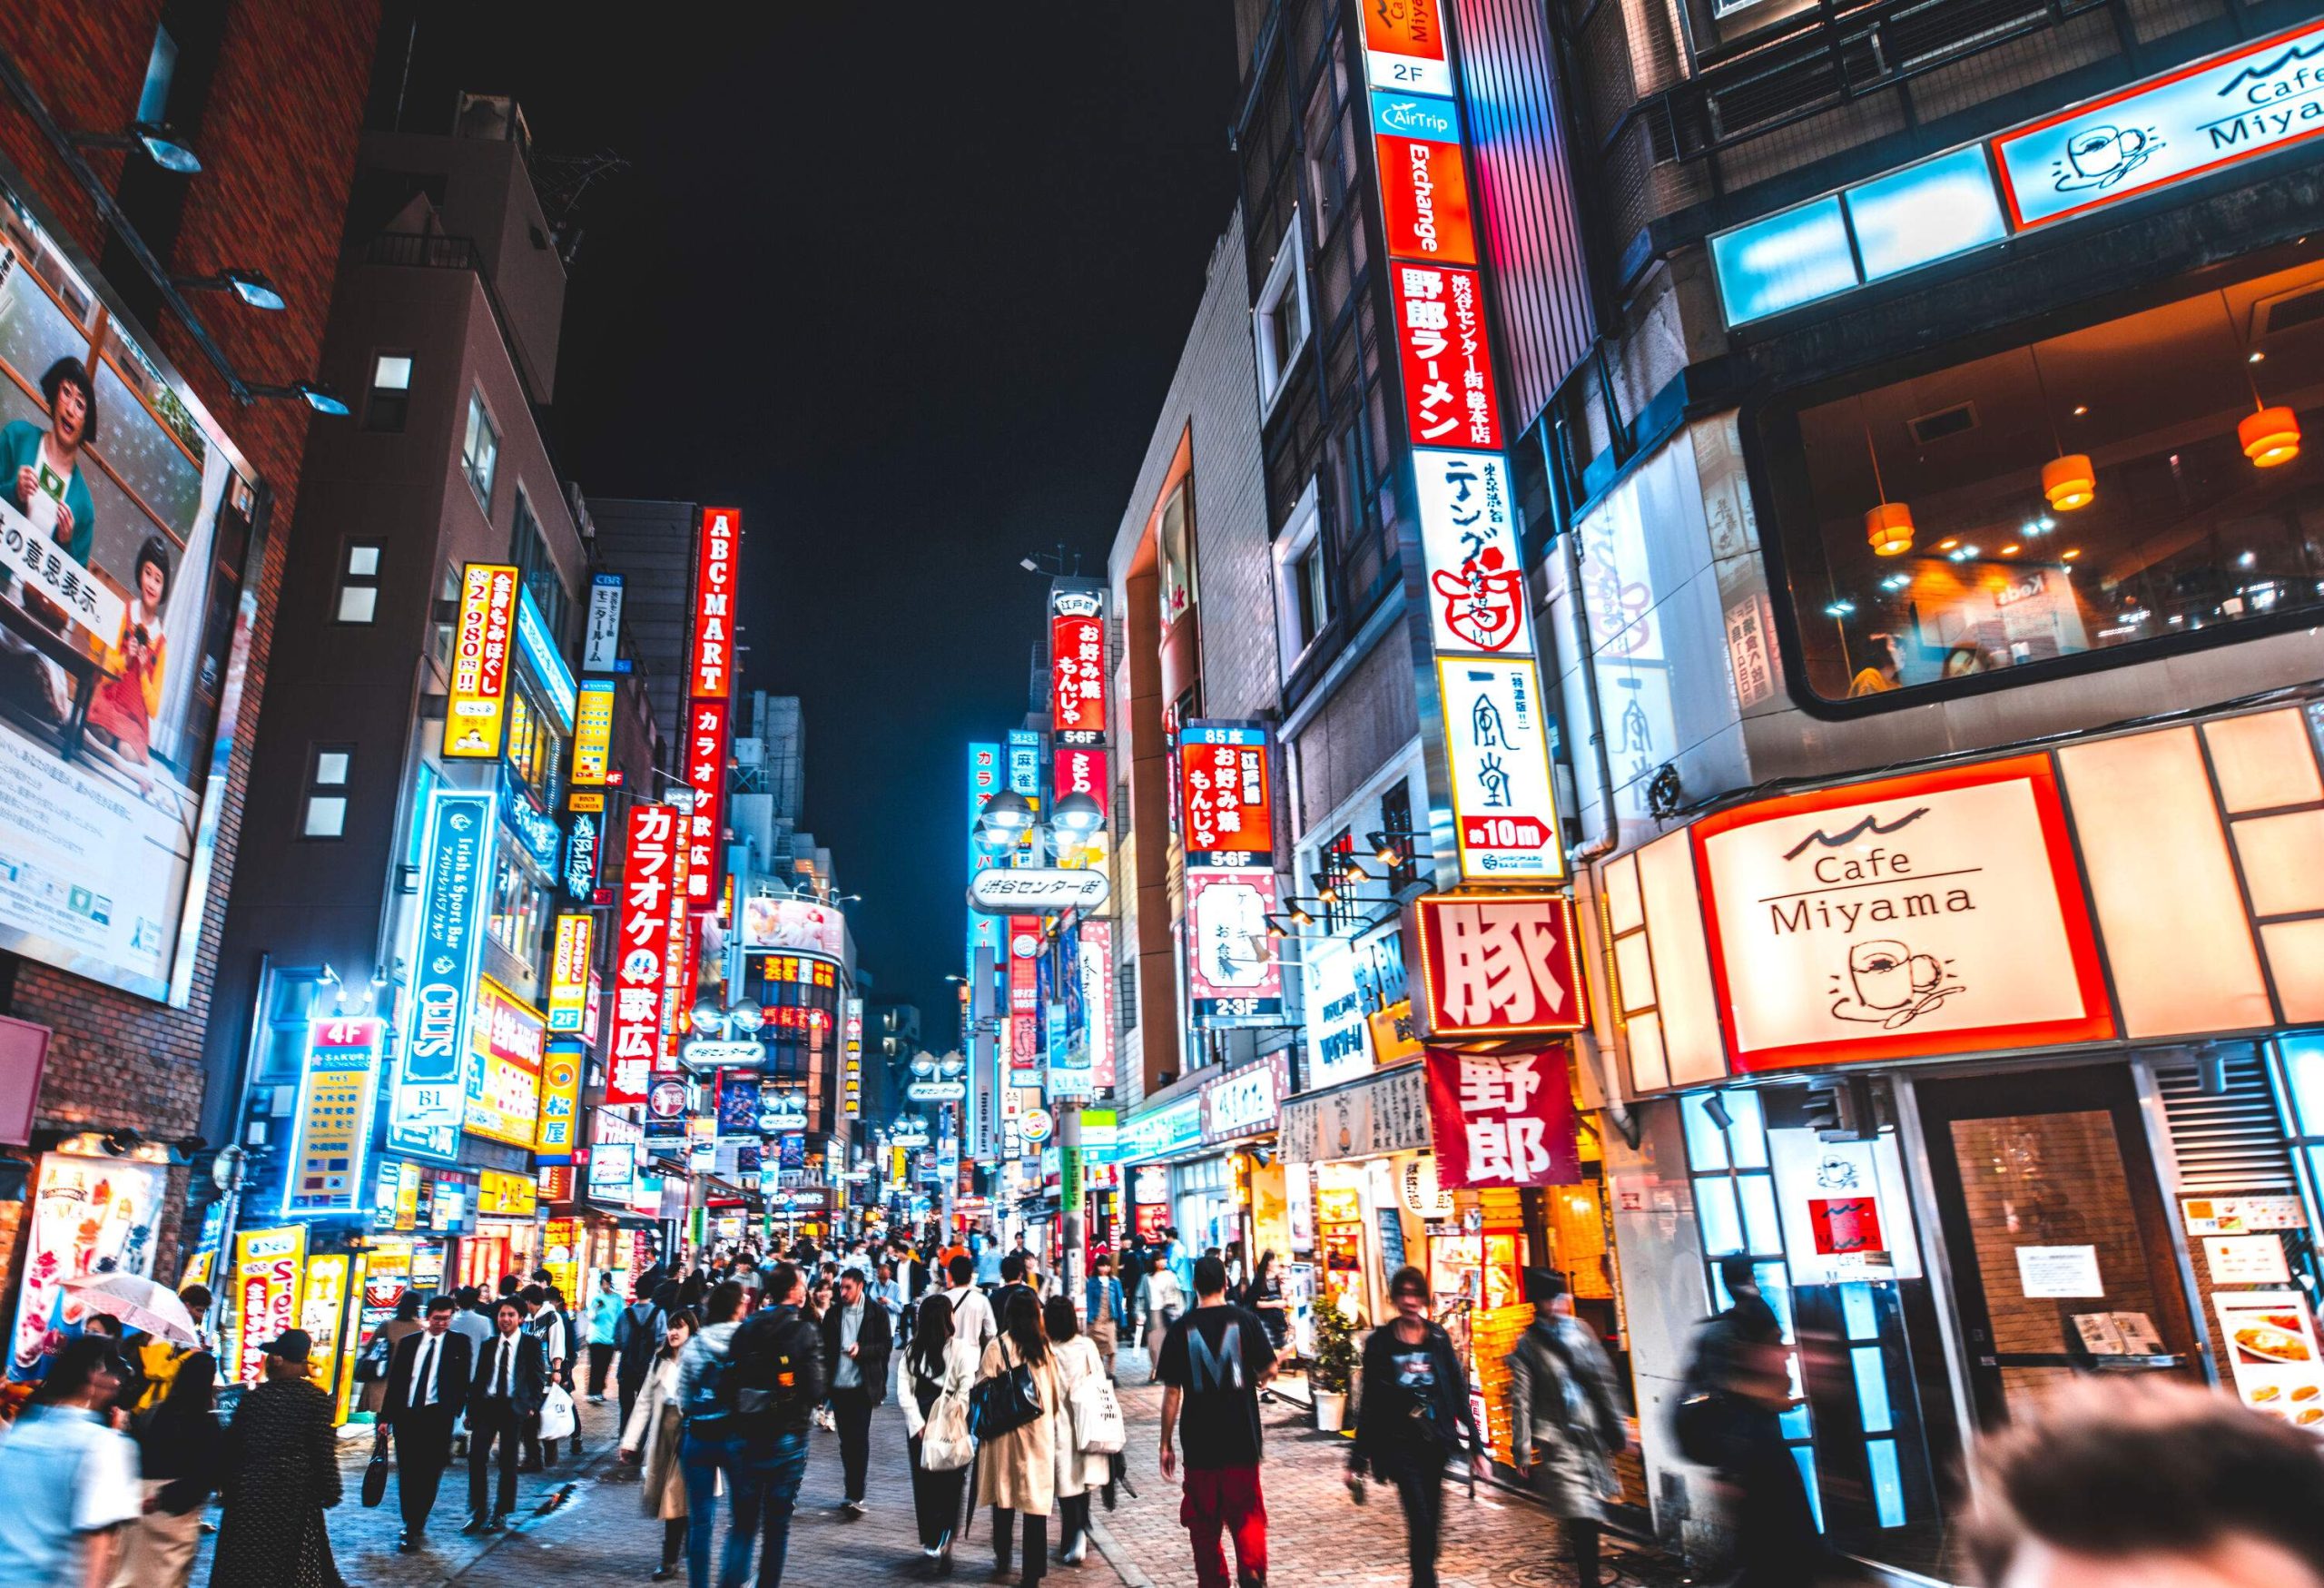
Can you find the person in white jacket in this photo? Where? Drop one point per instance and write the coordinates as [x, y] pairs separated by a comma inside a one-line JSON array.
[[1164, 1303], [1078, 1472], [656, 1426], [938, 1364]]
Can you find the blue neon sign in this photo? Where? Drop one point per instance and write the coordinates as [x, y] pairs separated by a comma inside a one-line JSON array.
[[540, 650]]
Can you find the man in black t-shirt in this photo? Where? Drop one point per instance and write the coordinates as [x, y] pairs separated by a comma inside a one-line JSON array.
[[1214, 1361]]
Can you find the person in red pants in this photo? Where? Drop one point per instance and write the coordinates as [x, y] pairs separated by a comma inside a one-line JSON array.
[[1214, 1361]]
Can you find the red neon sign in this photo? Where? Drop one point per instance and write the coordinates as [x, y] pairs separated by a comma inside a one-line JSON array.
[[714, 603], [1425, 199], [1078, 667], [1449, 395], [641, 938], [708, 723], [1405, 27]]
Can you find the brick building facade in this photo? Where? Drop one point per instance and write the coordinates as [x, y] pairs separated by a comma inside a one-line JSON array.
[[275, 125]]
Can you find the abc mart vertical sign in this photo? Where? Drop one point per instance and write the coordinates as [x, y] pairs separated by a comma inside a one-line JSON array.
[[1496, 738]]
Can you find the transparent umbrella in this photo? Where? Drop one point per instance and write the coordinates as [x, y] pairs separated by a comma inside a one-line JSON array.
[[139, 1304]]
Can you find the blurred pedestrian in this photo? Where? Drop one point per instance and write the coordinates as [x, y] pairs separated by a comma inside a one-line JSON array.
[[776, 1374], [1165, 1303], [971, 1308], [181, 1448], [278, 1476], [2141, 1487], [1414, 1412], [1216, 1360], [71, 1479], [379, 1351], [1565, 1417], [427, 1386], [939, 1364], [131, 1389], [637, 1342], [1078, 1470], [604, 1314], [651, 1436], [1265, 1296], [159, 1359], [1016, 1471]]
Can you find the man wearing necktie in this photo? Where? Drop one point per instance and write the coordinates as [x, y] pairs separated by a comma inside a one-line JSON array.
[[427, 1384], [510, 1381]]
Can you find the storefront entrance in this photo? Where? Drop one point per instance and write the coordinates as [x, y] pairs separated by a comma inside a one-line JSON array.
[[2057, 1234]]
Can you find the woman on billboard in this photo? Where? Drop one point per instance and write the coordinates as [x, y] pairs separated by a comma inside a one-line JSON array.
[[121, 716], [42, 469]]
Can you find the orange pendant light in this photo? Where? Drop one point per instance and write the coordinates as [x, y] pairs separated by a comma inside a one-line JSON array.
[[1889, 529], [2069, 482], [2270, 436]]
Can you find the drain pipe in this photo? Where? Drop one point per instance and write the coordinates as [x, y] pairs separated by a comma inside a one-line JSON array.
[[1610, 824]]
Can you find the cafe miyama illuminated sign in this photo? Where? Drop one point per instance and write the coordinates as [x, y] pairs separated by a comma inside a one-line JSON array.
[[1496, 735]]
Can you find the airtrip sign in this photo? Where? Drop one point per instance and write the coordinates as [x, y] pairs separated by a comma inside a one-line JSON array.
[[1935, 913]]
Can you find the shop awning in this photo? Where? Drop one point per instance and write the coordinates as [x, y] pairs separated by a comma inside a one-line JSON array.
[[1369, 1117]]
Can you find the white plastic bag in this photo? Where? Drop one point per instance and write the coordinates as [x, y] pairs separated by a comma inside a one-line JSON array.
[[945, 1442], [1096, 1418], [556, 1413]]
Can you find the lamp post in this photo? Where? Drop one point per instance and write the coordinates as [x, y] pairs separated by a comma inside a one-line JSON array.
[[1075, 822]]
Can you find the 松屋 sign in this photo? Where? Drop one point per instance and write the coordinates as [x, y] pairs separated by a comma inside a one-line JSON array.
[[1494, 965], [1502, 1119], [2252, 101], [1936, 914], [481, 638]]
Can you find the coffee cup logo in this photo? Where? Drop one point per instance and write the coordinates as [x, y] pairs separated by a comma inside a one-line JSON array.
[[2098, 157], [1888, 985]]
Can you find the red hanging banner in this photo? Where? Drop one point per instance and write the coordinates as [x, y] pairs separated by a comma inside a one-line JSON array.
[[1502, 1119]]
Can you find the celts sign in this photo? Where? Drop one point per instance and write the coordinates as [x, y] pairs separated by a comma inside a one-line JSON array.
[[1037, 891]]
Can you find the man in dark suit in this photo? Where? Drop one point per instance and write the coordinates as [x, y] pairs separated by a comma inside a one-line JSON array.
[[506, 1390], [427, 1384], [857, 1344]]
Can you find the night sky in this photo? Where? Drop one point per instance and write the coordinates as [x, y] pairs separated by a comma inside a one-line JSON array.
[[904, 282]]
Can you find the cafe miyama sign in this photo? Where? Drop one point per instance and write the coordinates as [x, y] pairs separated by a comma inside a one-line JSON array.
[[1923, 914]]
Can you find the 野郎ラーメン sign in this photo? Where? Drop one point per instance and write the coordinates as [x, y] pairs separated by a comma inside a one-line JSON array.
[[2253, 100], [482, 636], [1449, 394], [454, 883], [1940, 912], [1496, 736], [1502, 1118], [641, 934], [1494, 965], [1226, 812], [1077, 665], [569, 971], [504, 1080], [331, 1126]]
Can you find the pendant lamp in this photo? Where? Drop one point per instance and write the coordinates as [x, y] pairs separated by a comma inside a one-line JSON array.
[[1889, 525], [2069, 480], [2270, 436]]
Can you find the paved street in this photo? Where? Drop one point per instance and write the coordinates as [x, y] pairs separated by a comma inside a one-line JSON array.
[[581, 1525]]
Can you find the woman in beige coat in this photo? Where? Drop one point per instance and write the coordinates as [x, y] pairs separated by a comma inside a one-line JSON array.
[[1016, 1471], [1077, 1359], [656, 1427]]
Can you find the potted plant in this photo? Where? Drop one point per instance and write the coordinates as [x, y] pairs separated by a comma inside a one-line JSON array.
[[1334, 1361]]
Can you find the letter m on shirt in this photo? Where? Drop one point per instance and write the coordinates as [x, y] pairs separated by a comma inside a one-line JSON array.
[[1221, 1371]]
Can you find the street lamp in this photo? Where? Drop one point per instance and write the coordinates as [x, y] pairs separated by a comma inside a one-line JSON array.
[[1078, 815]]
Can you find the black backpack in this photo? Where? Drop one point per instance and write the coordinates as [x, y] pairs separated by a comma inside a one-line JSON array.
[[765, 1380]]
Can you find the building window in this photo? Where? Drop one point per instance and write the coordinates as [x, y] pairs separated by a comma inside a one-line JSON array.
[[389, 402], [480, 451], [538, 570], [534, 747], [1279, 322], [358, 583], [1303, 584], [323, 810], [2099, 489], [448, 616], [1396, 827], [520, 904]]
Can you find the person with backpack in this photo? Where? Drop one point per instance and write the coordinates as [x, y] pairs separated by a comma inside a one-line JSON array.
[[1414, 1411], [747, 1391], [1565, 1418], [1214, 1361], [637, 1339]]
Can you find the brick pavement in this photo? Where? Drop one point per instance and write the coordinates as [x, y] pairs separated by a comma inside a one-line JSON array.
[[581, 1526]]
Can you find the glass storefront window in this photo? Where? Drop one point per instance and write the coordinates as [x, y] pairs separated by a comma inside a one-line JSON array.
[[2303, 1058], [2091, 491], [520, 904]]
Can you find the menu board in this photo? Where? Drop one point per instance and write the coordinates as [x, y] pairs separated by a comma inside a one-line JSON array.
[[2270, 1344]]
